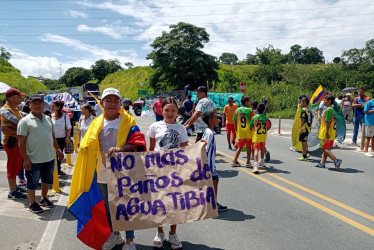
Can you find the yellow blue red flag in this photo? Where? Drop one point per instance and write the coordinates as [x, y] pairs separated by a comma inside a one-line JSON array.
[[85, 200], [317, 96]]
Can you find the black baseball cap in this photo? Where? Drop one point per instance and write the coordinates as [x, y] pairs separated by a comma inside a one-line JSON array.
[[202, 89], [36, 98]]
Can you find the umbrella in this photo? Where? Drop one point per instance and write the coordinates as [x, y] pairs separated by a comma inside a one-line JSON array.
[[4, 87], [349, 89]]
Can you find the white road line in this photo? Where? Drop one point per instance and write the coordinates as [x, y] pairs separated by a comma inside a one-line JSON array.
[[50, 231]]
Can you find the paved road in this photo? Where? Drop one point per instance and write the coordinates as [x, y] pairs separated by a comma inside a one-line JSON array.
[[290, 205]]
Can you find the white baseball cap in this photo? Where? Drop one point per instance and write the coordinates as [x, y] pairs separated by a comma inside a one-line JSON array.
[[110, 91]]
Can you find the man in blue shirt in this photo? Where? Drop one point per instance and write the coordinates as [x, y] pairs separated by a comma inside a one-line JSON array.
[[359, 116], [369, 122]]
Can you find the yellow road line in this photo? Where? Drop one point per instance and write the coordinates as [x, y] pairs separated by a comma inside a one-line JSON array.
[[319, 195], [310, 202]]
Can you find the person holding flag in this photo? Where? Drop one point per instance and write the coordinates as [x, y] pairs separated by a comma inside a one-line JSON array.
[[113, 131]]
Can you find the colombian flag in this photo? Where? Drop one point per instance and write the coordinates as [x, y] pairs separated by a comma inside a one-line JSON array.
[[85, 201], [317, 96]]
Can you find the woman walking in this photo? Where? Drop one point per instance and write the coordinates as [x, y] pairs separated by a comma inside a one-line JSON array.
[[61, 122]]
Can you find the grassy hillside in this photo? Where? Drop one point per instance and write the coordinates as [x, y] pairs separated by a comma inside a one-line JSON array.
[[12, 77], [127, 81]]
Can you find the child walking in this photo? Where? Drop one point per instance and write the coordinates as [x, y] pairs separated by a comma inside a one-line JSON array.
[[306, 117], [327, 133], [210, 118], [242, 118], [163, 135], [259, 127]]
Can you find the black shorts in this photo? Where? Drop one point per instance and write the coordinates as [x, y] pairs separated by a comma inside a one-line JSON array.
[[303, 137]]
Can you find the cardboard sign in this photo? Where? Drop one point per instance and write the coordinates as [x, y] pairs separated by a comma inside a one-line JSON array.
[[152, 189]]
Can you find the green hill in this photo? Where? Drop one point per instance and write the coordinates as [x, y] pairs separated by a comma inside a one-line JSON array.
[[129, 81]]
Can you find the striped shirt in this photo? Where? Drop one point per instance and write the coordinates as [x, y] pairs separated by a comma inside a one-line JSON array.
[[210, 149]]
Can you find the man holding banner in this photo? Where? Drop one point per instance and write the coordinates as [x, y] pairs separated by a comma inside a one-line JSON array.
[[113, 131]]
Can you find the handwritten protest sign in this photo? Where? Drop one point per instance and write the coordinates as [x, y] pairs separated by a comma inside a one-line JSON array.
[[152, 189]]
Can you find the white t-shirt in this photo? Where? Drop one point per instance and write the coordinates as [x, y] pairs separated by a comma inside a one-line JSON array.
[[61, 125], [84, 125], [205, 104], [108, 139], [338, 101], [210, 149], [167, 135]]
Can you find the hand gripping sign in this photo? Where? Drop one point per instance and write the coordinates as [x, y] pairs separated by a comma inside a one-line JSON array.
[[152, 189]]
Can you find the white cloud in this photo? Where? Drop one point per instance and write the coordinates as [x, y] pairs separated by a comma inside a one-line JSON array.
[[235, 26], [51, 67], [114, 30], [75, 13]]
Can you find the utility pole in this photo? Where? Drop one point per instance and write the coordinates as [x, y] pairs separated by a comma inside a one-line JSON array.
[[60, 71]]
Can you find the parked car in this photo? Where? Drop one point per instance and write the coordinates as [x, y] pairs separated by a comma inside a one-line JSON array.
[[137, 106]]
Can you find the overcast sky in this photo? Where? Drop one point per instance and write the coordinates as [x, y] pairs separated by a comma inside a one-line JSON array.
[[47, 37]]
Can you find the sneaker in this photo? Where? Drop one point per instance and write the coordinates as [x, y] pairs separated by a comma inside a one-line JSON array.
[[221, 208], [353, 144], [15, 195], [302, 159], [159, 239], [130, 246], [20, 189], [307, 155], [248, 165], [46, 203], [21, 183], [235, 164], [262, 163], [174, 241], [112, 241], [320, 165], [337, 164], [255, 170], [35, 208], [293, 149], [369, 154]]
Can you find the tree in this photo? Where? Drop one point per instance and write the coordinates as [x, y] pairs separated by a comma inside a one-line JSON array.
[[178, 59], [313, 55], [353, 57], [76, 76], [129, 65], [102, 68], [336, 60], [369, 51], [296, 54], [5, 55], [53, 84], [251, 59], [269, 55], [228, 58]]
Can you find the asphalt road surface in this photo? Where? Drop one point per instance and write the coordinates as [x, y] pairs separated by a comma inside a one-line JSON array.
[[289, 205]]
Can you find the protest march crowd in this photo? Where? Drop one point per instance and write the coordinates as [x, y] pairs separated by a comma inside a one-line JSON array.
[[36, 133]]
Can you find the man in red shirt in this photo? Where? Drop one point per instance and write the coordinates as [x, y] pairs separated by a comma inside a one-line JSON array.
[[157, 109]]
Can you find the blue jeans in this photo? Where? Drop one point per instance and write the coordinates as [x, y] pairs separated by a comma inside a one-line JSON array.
[[38, 171], [21, 175], [357, 121], [104, 193]]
